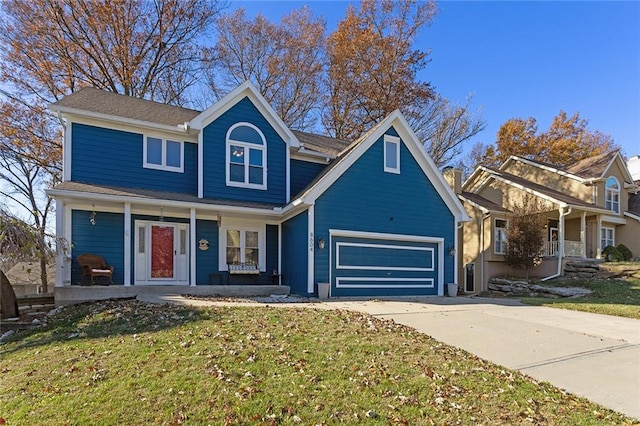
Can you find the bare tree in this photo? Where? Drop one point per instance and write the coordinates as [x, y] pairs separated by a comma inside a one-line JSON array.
[[443, 127], [372, 67], [525, 235], [140, 48], [284, 61]]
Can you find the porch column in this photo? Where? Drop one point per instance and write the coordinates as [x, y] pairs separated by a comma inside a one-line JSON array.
[[583, 233], [127, 244], [192, 249], [599, 237], [561, 234], [62, 246], [279, 254]]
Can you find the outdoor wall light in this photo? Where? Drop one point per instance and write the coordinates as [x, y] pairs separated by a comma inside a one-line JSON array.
[[321, 243], [452, 251]]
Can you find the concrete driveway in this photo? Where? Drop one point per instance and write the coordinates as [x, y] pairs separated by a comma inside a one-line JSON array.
[[591, 355]]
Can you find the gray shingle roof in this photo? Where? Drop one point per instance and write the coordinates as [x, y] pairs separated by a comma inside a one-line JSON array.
[[592, 167], [483, 202], [557, 195], [114, 104], [155, 195]]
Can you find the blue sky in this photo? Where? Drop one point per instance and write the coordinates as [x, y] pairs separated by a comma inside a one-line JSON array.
[[522, 59]]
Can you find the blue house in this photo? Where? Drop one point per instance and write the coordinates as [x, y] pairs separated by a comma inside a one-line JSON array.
[[231, 195]]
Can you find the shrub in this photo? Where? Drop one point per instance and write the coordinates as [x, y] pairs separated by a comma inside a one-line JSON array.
[[611, 254], [625, 252]]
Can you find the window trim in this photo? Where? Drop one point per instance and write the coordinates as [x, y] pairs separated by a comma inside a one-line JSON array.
[[502, 241], [243, 228], [396, 141], [609, 193], [163, 166], [246, 164], [603, 230]]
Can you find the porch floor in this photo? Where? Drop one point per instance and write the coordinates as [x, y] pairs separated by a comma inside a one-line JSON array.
[[69, 295]]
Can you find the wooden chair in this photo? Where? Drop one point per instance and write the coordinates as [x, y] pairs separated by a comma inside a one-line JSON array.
[[93, 266]]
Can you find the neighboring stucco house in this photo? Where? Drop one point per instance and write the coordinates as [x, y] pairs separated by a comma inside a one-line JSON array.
[[232, 196], [589, 205]]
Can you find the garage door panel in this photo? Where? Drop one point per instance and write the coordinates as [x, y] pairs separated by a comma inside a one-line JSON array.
[[354, 255], [363, 266]]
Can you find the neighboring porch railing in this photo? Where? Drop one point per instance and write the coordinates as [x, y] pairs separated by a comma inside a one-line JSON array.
[[571, 248]]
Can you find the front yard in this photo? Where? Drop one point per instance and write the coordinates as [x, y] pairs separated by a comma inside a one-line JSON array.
[[620, 297], [126, 362]]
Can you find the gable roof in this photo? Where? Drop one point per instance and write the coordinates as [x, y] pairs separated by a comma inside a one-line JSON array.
[[593, 167], [482, 203], [539, 190], [101, 104], [355, 150], [116, 105]]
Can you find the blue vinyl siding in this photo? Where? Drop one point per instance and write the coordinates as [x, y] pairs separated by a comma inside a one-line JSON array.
[[214, 157], [272, 249], [294, 253], [365, 198], [206, 260], [303, 172], [112, 157], [105, 238]]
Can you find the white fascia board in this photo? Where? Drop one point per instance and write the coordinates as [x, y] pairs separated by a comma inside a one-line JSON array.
[[317, 159], [246, 89], [470, 182], [632, 216], [66, 195], [114, 119], [396, 120], [302, 151], [543, 167], [614, 219], [476, 205]]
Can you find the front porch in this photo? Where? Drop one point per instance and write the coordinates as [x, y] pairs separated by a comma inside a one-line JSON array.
[[571, 248], [72, 294]]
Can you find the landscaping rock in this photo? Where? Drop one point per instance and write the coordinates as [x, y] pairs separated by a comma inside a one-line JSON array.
[[523, 288]]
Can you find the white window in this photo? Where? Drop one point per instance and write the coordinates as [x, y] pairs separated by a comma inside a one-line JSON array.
[[246, 157], [607, 237], [500, 236], [241, 245], [612, 195], [391, 154], [163, 154]]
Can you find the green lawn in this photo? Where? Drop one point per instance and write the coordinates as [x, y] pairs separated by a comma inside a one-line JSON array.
[[610, 297], [131, 363]]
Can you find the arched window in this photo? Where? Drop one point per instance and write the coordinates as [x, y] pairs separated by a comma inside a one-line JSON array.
[[246, 157], [612, 195]]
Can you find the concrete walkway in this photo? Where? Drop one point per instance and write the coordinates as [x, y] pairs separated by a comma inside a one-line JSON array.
[[590, 355]]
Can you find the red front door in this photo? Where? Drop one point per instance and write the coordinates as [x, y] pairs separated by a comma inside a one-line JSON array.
[[162, 252]]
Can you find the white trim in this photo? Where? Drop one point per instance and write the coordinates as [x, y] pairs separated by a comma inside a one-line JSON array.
[[61, 245], [179, 278], [411, 141], [378, 279], [248, 90], [200, 165], [310, 254], [242, 226], [384, 236], [246, 146], [66, 151], [603, 235], [163, 166], [115, 120], [388, 139], [287, 176], [68, 216], [384, 268], [502, 242], [632, 216], [613, 191], [280, 254], [127, 244], [192, 249]]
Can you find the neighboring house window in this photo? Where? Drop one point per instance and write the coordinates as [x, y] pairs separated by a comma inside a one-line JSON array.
[[391, 154], [607, 237], [612, 195], [500, 236], [163, 154], [246, 157]]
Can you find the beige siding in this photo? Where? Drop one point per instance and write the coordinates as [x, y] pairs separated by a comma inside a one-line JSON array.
[[629, 235], [553, 180]]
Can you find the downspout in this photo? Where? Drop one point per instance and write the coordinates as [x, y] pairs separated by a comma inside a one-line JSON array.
[[482, 249], [560, 245]]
